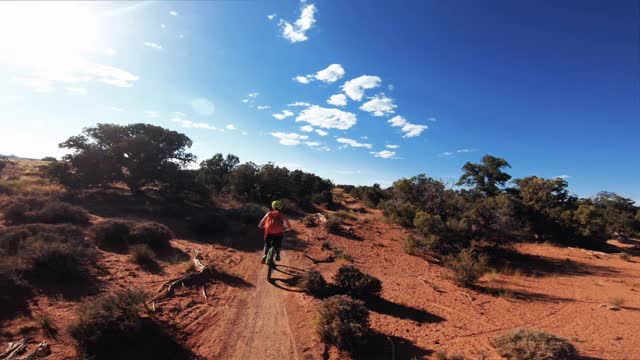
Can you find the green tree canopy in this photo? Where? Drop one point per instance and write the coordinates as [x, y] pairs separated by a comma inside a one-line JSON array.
[[486, 177]]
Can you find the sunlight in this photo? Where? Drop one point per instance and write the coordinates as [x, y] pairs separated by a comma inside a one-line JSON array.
[[51, 36]]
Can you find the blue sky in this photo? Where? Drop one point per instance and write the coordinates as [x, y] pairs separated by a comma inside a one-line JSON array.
[[384, 90]]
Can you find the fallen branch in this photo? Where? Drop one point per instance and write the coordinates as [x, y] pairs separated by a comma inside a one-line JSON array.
[[467, 295], [196, 261], [204, 293], [41, 351], [328, 259], [14, 349]]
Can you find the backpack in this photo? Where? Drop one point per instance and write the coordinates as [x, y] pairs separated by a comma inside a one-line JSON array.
[[274, 223]]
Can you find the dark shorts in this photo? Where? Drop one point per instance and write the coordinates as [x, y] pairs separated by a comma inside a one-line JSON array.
[[273, 240]]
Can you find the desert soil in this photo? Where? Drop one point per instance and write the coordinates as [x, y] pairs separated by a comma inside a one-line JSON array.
[[565, 291]]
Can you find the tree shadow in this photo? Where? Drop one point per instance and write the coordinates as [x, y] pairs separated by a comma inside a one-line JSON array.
[[521, 295], [401, 311], [384, 347], [510, 260], [149, 341]]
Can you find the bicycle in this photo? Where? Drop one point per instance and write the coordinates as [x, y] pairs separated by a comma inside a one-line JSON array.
[[270, 260]]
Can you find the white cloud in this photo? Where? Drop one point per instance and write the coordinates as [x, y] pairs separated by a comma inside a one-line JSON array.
[[299, 103], [115, 108], [355, 88], [327, 118], [191, 124], [153, 45], [262, 107], [465, 150], [110, 52], [353, 143], [432, 119], [253, 94], [180, 36], [272, 16], [179, 114], [163, 26], [296, 32], [244, 101], [331, 74], [306, 128], [203, 106], [321, 132], [303, 79], [76, 90], [563, 177], [410, 130], [338, 100], [245, 133], [312, 143], [289, 139], [379, 105], [392, 146], [173, 13], [230, 127], [152, 114], [385, 154], [364, 137], [283, 115], [446, 153], [76, 73], [390, 87]]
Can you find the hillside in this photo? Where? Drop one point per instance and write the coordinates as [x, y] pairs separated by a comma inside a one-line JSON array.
[[238, 314]]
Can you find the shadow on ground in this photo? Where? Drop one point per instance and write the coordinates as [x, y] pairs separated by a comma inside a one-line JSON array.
[[382, 346], [510, 260], [401, 311]]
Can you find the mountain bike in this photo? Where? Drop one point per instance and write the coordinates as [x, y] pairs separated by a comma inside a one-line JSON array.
[[271, 257]]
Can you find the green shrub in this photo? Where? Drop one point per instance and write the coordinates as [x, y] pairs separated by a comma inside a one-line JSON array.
[[333, 225], [343, 322], [534, 345], [350, 280], [157, 236], [107, 322], [313, 283], [467, 266], [24, 210], [324, 197], [142, 255], [346, 215]]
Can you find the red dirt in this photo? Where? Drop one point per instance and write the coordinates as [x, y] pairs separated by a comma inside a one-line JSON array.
[[560, 290]]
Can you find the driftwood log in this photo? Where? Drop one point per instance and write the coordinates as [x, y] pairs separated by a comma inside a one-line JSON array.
[[14, 349], [202, 275]]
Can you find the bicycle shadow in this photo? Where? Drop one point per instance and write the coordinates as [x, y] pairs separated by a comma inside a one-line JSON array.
[[287, 279]]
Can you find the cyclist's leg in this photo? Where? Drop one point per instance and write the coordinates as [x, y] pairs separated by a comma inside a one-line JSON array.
[[277, 244], [267, 245]]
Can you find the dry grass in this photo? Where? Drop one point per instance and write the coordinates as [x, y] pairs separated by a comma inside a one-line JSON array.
[[23, 177], [533, 345], [47, 326]]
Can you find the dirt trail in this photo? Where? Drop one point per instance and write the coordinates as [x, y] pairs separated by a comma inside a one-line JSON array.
[[251, 322]]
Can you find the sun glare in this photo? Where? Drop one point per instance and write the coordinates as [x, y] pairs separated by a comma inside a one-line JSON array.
[[47, 35]]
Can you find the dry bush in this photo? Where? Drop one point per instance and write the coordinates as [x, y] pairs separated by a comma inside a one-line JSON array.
[[343, 322], [157, 236], [48, 252], [617, 301], [350, 280], [209, 224], [111, 234], [345, 215], [142, 255], [410, 245], [313, 283], [333, 225], [326, 245], [442, 355], [117, 234], [249, 213], [467, 266], [108, 322], [25, 210], [340, 254], [625, 256], [533, 345]]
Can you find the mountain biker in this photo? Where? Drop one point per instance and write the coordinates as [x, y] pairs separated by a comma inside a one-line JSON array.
[[273, 224]]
